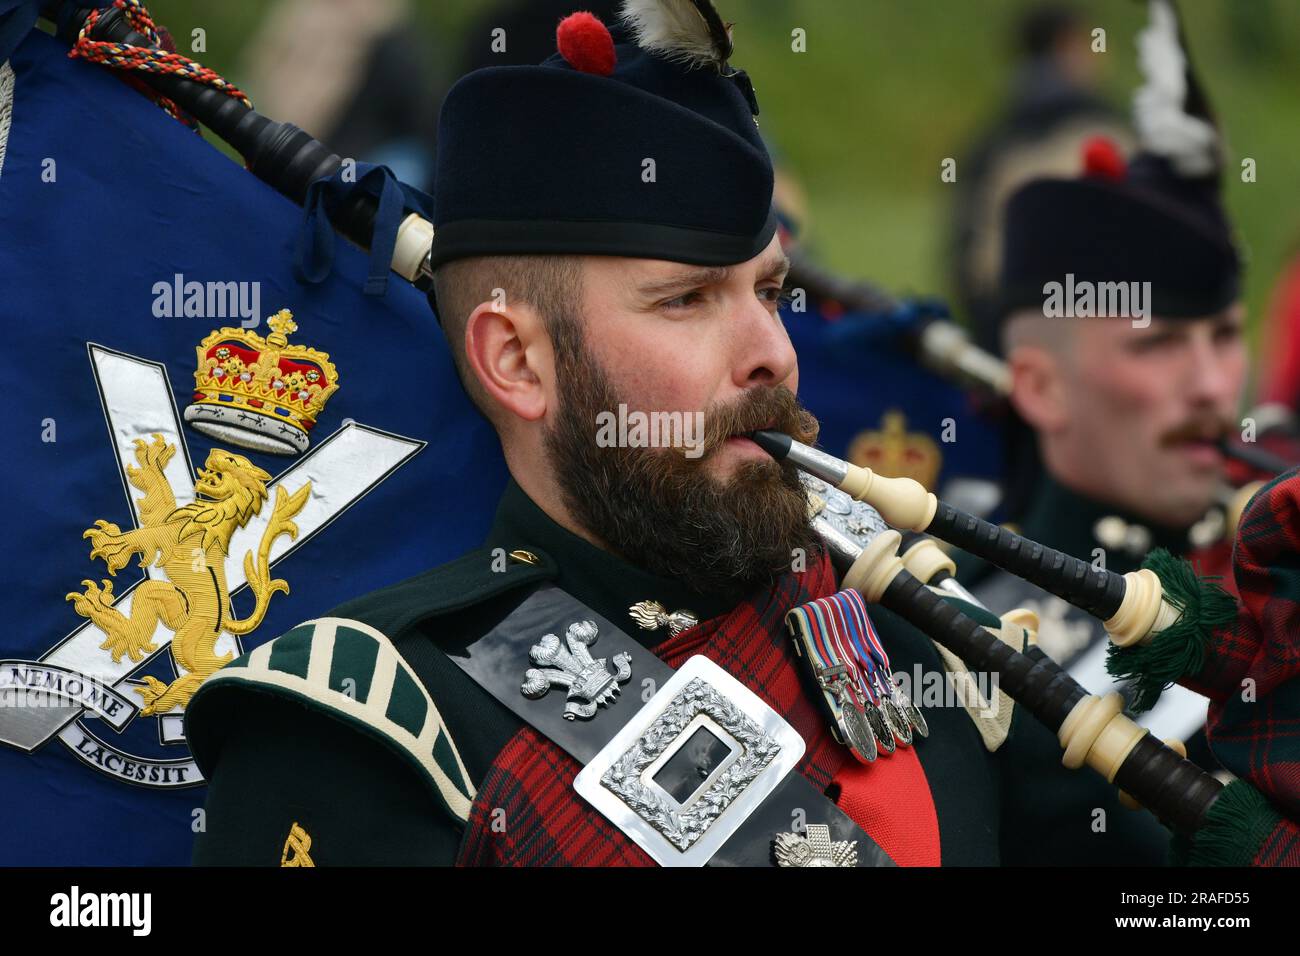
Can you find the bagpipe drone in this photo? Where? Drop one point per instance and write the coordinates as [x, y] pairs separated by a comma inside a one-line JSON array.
[[1166, 625]]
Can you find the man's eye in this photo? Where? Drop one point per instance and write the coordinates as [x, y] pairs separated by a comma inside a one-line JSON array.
[[778, 295], [683, 301], [1227, 334]]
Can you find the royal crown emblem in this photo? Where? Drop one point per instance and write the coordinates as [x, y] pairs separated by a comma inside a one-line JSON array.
[[587, 680], [894, 452], [260, 393]]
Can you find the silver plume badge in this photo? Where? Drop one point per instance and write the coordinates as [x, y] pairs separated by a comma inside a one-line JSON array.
[[571, 666]]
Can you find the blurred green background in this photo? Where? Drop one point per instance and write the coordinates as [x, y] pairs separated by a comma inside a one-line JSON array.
[[888, 88]]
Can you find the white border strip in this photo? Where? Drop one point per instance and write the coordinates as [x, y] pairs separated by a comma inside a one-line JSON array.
[[6, 107]]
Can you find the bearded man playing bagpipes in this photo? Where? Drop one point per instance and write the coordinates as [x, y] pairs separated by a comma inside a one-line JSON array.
[[650, 659]]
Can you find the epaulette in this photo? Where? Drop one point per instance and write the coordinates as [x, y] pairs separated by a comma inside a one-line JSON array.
[[346, 666], [352, 672]]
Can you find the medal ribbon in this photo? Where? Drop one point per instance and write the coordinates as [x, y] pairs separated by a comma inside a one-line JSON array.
[[828, 643], [866, 641], [842, 633]]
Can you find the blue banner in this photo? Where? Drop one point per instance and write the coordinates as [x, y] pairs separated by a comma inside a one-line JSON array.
[[138, 270]]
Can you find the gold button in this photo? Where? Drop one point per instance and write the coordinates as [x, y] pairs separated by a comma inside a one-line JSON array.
[[525, 557]]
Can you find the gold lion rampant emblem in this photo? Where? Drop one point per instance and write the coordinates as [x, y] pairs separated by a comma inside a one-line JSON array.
[[190, 544]]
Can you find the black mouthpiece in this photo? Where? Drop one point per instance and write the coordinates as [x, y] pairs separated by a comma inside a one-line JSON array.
[[776, 444]]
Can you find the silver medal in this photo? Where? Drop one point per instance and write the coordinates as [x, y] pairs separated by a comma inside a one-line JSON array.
[[911, 711], [897, 722], [884, 734], [853, 724]]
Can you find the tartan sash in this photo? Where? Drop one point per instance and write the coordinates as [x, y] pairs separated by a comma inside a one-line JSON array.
[[1281, 847], [527, 813]]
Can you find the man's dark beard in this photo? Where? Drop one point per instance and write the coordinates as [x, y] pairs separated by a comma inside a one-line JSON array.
[[662, 511]]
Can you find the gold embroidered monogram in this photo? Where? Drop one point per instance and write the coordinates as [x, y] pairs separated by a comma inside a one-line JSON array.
[[296, 847]]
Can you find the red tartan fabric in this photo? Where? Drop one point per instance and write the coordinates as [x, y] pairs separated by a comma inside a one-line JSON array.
[[1215, 561], [1258, 739], [526, 812], [1281, 848]]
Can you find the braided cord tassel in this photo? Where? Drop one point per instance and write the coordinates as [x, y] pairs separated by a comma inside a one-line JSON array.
[[124, 56]]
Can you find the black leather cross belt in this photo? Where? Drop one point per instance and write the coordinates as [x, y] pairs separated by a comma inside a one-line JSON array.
[[702, 771]]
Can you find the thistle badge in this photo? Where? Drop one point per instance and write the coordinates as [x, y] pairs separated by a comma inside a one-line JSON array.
[[816, 848]]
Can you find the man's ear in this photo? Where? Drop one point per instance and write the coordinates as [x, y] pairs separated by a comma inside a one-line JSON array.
[[1038, 387], [508, 350]]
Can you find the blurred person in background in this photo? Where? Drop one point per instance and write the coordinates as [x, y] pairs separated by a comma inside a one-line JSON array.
[[1052, 108], [356, 74], [1128, 407]]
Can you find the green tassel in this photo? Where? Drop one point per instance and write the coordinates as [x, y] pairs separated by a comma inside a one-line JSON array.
[[1179, 650], [1236, 826]]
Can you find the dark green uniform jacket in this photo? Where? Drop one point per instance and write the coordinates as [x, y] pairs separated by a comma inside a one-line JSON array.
[[300, 770]]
